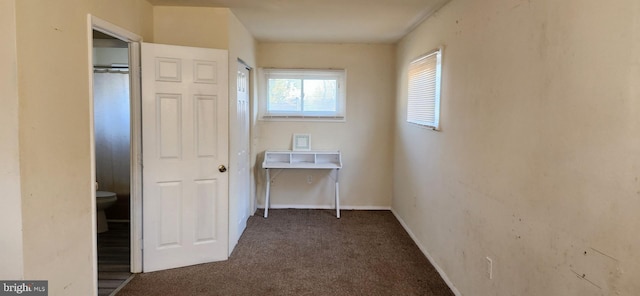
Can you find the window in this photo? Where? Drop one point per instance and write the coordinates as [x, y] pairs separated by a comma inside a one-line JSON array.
[[423, 105], [303, 94]]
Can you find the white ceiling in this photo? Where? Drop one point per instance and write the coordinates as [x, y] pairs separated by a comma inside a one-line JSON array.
[[335, 21]]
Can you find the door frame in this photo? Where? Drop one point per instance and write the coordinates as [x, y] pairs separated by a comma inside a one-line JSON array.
[[134, 40]]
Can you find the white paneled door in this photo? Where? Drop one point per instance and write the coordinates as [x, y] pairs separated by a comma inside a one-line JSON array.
[[185, 153], [240, 178], [242, 150]]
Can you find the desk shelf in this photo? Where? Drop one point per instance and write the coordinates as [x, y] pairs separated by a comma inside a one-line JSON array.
[[302, 160], [331, 160]]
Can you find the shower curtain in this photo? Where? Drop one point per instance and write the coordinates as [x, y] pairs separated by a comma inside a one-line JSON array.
[[112, 130]]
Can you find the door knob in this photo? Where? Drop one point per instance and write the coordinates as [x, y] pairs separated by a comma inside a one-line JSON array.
[[222, 168]]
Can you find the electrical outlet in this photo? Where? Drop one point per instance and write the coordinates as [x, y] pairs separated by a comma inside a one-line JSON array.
[[489, 268], [309, 179]]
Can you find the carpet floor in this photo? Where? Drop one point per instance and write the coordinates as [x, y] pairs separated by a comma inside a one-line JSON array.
[[307, 252]]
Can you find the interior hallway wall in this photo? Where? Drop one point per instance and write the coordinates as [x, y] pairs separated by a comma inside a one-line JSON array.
[[365, 180], [537, 163], [55, 146], [11, 217]]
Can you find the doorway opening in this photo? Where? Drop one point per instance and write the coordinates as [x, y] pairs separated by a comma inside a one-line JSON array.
[[112, 146], [115, 140]]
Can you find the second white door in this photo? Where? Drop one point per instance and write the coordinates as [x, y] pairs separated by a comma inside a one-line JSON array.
[[240, 186]]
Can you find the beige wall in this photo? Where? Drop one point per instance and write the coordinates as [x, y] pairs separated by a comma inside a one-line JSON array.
[[365, 180], [55, 163], [135, 16], [11, 255], [206, 27], [537, 163]]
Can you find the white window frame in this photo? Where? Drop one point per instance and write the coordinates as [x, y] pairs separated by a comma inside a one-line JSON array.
[[340, 75], [423, 100]]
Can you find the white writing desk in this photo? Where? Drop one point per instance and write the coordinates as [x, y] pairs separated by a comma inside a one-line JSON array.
[[329, 160]]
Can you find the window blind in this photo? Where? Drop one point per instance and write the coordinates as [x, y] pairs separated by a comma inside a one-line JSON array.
[[423, 106]]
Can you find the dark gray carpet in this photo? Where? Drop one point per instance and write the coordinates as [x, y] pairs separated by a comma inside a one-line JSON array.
[[308, 252]]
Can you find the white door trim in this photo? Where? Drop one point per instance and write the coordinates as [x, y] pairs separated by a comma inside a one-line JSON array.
[[95, 23]]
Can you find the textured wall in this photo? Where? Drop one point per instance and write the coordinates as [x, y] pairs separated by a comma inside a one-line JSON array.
[[11, 241], [537, 163], [55, 149]]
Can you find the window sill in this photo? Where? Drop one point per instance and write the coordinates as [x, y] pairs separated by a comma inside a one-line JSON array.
[[423, 126], [303, 118]]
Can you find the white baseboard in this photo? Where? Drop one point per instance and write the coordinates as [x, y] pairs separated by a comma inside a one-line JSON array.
[[426, 253], [327, 207], [365, 208]]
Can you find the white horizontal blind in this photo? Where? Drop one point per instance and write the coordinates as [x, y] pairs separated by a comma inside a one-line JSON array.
[[423, 106]]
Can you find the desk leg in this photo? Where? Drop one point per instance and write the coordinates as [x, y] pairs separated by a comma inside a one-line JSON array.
[[337, 195], [266, 200]]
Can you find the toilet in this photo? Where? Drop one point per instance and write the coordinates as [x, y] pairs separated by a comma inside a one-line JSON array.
[[104, 200]]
